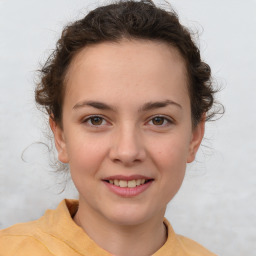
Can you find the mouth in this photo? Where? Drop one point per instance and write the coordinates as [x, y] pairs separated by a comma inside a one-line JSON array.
[[128, 186], [128, 183]]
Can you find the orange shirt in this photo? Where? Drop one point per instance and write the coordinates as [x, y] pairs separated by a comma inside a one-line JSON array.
[[56, 234]]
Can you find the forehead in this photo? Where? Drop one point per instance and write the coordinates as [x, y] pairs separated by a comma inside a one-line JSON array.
[[127, 52], [138, 64]]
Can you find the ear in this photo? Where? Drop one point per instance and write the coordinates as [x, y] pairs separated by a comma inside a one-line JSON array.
[[59, 140], [196, 138]]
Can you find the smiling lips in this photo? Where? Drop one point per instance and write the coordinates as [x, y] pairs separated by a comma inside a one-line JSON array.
[[129, 183], [128, 186]]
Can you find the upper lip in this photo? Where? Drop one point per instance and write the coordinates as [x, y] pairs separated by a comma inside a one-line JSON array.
[[131, 177]]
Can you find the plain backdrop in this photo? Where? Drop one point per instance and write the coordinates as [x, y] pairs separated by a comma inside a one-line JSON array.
[[216, 205]]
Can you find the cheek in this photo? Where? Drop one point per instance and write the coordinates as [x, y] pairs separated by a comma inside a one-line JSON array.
[[170, 158], [170, 153], [86, 155]]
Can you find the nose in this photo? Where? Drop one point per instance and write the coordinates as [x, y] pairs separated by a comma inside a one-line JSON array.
[[127, 147]]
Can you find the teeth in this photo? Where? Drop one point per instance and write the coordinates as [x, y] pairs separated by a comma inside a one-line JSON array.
[[138, 182], [123, 183], [129, 184]]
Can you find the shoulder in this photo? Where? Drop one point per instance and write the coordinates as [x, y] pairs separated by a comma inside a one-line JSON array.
[[181, 246], [193, 248], [52, 234], [22, 239]]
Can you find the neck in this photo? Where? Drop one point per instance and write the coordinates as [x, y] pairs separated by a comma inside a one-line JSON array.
[[134, 240]]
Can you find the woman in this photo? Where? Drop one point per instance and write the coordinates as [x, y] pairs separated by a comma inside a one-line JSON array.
[[127, 96]]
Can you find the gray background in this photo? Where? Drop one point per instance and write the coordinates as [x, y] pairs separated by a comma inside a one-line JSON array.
[[216, 205]]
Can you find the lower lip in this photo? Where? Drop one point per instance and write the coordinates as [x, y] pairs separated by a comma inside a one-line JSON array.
[[128, 192]]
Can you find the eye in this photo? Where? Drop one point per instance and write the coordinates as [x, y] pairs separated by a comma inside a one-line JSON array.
[[95, 121], [160, 121]]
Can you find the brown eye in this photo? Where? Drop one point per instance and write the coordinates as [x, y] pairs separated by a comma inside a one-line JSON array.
[[158, 120], [96, 120]]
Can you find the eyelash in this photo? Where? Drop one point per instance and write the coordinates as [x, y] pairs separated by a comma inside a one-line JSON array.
[[89, 119], [167, 121]]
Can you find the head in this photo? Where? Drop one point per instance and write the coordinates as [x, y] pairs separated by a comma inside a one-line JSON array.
[[113, 23], [127, 95]]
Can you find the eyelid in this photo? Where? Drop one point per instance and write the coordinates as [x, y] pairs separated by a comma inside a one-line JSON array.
[[87, 118], [167, 118]]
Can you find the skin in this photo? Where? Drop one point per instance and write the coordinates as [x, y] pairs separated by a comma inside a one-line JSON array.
[[128, 77]]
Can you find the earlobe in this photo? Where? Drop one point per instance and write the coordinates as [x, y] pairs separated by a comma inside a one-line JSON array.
[[196, 139], [59, 140]]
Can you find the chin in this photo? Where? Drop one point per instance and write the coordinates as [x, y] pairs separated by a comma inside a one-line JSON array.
[[130, 215]]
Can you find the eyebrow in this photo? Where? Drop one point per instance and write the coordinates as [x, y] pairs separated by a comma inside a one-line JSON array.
[[146, 107], [94, 104], [159, 104]]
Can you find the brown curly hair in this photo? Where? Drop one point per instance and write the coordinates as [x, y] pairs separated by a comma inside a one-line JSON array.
[[112, 23]]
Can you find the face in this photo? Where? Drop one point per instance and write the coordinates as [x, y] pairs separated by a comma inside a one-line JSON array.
[[127, 132]]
